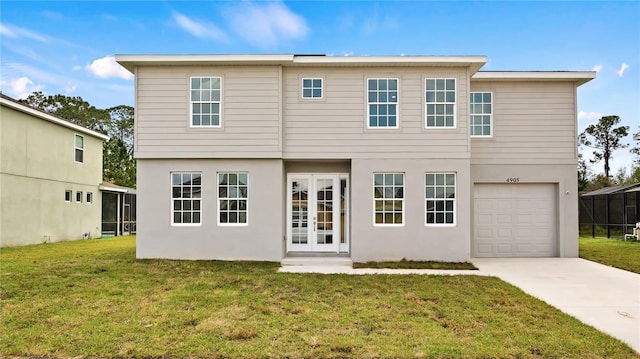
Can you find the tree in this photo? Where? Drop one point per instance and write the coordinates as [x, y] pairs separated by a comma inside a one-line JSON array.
[[606, 139], [73, 109], [583, 173], [119, 165]]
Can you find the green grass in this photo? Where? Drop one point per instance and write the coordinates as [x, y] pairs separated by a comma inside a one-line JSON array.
[[94, 299], [407, 264], [612, 252]]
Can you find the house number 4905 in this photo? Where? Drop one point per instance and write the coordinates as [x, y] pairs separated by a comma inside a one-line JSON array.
[[513, 180]]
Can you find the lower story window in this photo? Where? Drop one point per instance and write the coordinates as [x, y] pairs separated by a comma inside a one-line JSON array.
[[186, 194], [89, 197], [233, 197], [388, 198], [440, 198], [67, 195], [79, 196]]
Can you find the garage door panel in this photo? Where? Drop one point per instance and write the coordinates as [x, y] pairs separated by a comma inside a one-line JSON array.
[[514, 220]]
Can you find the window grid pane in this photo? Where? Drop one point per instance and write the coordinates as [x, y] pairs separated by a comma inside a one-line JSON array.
[[481, 110], [233, 197], [388, 194], [186, 194], [383, 102], [440, 198], [440, 102], [311, 88], [205, 101]]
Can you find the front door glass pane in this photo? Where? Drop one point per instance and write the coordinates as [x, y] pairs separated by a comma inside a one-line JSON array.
[[299, 213], [324, 205]]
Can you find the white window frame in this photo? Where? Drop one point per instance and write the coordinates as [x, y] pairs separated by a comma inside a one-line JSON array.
[[79, 196], [68, 194], [236, 198], [444, 199], [193, 102], [89, 197], [76, 148], [396, 103], [440, 103], [321, 88], [383, 199], [173, 210], [482, 113]]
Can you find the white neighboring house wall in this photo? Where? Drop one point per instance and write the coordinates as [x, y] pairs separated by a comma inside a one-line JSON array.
[[37, 167], [270, 130]]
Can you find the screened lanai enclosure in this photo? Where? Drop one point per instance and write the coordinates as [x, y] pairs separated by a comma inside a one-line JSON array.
[[118, 210], [610, 212]]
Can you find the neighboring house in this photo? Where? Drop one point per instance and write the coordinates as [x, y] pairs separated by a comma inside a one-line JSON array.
[[50, 170], [375, 158]]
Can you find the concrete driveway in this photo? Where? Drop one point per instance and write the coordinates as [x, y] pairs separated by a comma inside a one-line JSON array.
[[604, 297]]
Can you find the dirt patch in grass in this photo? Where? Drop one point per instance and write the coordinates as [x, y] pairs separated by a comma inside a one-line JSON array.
[[408, 264]]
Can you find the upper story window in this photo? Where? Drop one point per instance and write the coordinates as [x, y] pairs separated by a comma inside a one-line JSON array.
[[233, 197], [481, 111], [383, 103], [312, 88], [186, 194], [388, 198], [205, 101], [440, 98], [440, 198], [79, 148]]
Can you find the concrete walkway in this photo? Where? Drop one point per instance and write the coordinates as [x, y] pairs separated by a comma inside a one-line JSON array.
[[604, 297]]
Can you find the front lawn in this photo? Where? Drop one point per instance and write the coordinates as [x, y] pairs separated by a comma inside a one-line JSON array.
[[93, 298], [612, 252]]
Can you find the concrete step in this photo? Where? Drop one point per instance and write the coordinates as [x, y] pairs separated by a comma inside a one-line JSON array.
[[317, 261]]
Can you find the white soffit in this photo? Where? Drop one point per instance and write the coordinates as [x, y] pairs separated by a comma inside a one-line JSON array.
[[580, 77]]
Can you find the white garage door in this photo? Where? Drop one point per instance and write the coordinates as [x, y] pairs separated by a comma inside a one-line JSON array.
[[514, 220]]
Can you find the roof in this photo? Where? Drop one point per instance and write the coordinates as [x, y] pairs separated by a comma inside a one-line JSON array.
[[131, 61], [110, 187], [581, 77], [14, 104], [613, 190]]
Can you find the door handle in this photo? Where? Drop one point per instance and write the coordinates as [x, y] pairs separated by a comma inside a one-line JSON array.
[[315, 224]]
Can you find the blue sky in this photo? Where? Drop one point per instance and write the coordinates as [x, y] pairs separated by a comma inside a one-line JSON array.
[[67, 47]]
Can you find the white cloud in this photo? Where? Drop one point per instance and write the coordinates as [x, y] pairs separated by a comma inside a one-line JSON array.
[[589, 116], [69, 89], [623, 68], [77, 67], [266, 24], [201, 30], [107, 67], [18, 33], [21, 87], [597, 68]]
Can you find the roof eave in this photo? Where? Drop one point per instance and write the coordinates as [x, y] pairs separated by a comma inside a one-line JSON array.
[[579, 77], [47, 117]]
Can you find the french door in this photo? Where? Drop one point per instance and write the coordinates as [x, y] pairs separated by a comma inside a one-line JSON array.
[[317, 208]]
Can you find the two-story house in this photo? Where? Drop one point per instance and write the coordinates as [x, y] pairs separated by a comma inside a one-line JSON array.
[[50, 172], [261, 157]]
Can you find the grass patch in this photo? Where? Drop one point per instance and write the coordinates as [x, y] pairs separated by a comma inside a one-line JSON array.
[[407, 264], [612, 252], [94, 299]]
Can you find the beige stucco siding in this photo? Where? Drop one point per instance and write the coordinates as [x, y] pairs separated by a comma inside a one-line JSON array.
[[533, 123], [37, 166], [251, 115], [336, 126]]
